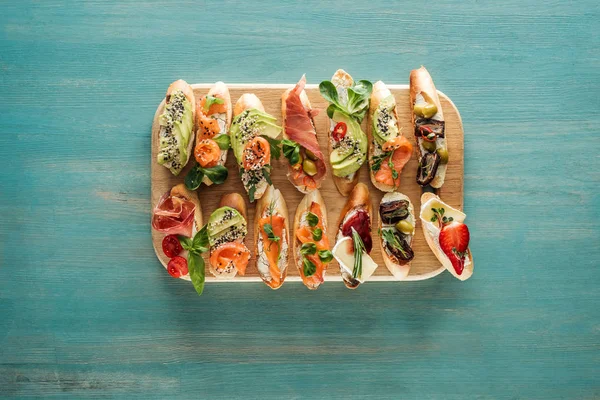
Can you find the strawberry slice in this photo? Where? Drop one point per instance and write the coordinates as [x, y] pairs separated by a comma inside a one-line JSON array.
[[454, 241]]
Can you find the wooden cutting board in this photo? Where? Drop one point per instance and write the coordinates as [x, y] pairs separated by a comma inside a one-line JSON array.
[[425, 265]]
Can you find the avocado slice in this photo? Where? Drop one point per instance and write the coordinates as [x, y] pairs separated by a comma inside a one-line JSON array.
[[340, 154], [247, 125], [224, 219], [348, 166], [174, 144], [382, 131]]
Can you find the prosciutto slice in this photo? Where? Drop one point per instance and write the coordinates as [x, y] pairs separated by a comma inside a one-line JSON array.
[[300, 129], [174, 215]]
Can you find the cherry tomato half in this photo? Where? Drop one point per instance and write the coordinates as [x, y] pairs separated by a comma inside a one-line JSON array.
[[177, 267], [171, 246], [339, 131]]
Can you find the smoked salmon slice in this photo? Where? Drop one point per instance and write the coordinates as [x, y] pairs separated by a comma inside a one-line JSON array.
[[228, 253], [402, 152], [272, 249]]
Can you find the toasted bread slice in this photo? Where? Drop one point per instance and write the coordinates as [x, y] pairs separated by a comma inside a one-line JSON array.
[[431, 233], [272, 203]]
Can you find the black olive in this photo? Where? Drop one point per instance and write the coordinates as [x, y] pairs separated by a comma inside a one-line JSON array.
[[428, 165], [393, 211]]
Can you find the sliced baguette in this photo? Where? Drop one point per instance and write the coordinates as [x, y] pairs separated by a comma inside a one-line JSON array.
[[306, 103], [237, 202], [219, 90], [246, 102], [181, 191], [311, 282], [359, 199], [380, 92], [432, 237], [187, 90], [398, 268], [342, 81], [421, 81], [272, 196]]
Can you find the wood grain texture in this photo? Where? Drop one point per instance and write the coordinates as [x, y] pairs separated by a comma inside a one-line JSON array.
[[424, 266], [87, 311]]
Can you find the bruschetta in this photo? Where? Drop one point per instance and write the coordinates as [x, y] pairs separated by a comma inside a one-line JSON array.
[[213, 119], [430, 129], [227, 229], [447, 235], [176, 133], [396, 233], [389, 150], [177, 213], [353, 240], [307, 168], [311, 245], [348, 143], [251, 134], [271, 237]]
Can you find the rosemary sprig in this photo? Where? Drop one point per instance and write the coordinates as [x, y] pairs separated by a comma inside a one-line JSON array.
[[359, 249]]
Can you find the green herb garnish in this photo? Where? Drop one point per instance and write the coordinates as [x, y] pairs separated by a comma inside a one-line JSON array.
[[438, 215], [195, 248], [309, 268], [325, 256], [389, 237], [274, 144], [378, 160], [359, 249], [210, 100], [317, 234], [312, 219], [291, 151], [217, 174], [223, 141], [358, 99], [308, 249]]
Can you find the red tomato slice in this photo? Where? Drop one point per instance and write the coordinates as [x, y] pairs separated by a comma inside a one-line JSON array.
[[171, 246], [177, 267]]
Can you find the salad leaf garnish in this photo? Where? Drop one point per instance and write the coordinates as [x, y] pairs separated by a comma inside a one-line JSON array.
[[308, 249], [274, 144], [358, 99], [270, 234], [325, 256], [291, 151], [312, 219], [309, 268], [317, 234], [224, 141], [210, 100], [217, 174]]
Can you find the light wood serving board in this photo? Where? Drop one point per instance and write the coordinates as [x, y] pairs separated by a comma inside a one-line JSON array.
[[425, 265]]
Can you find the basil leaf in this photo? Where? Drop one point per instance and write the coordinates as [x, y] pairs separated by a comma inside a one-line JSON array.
[[200, 242], [197, 271], [309, 268], [185, 242], [210, 100], [193, 179], [312, 219], [308, 249], [267, 175], [291, 151], [317, 234], [274, 145], [217, 174], [325, 256], [251, 193], [224, 141], [329, 92]]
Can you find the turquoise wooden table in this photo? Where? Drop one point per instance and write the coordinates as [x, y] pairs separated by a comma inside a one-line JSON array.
[[87, 310]]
